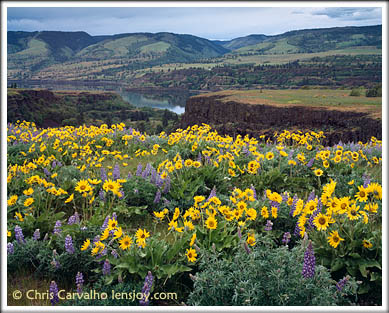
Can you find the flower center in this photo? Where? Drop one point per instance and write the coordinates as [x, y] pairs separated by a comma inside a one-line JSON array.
[[322, 221], [335, 238], [362, 194]]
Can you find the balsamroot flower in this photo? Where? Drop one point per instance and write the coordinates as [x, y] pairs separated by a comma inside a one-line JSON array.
[[309, 262]]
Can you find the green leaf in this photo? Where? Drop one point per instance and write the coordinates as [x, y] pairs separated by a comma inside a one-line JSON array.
[[355, 255], [375, 276], [336, 265]]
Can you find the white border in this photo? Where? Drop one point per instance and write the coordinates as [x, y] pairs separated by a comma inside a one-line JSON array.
[[6, 4]]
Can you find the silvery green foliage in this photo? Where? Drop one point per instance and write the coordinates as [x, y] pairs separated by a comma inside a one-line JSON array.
[[267, 276]]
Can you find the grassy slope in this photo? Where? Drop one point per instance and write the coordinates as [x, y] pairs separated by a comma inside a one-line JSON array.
[[335, 99]]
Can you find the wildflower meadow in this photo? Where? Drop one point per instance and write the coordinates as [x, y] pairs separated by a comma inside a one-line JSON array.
[[213, 219]]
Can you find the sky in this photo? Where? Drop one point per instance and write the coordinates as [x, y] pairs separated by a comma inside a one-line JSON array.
[[222, 23]]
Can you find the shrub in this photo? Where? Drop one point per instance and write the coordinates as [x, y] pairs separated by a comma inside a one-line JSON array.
[[376, 91], [355, 92], [266, 276]]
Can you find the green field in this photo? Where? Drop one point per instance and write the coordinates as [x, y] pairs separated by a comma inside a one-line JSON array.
[[339, 99]]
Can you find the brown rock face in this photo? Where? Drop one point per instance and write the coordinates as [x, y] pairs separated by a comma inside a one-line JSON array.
[[230, 117]]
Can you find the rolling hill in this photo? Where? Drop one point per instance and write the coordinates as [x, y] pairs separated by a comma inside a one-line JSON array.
[[80, 56]]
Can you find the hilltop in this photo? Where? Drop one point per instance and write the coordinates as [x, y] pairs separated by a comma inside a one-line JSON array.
[[130, 57]]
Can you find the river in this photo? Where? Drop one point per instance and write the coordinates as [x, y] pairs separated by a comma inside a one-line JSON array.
[[172, 100]]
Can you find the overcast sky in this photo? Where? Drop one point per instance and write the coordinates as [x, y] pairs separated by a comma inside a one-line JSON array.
[[212, 23]]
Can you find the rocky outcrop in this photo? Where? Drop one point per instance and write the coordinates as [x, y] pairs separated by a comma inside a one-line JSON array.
[[231, 117]]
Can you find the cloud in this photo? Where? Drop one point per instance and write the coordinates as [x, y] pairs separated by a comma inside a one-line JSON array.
[[207, 22], [351, 14]]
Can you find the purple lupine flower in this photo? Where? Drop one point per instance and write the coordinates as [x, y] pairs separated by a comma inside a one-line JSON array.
[[36, 234], [10, 248], [53, 164], [153, 177], [106, 267], [55, 263], [97, 238], [297, 230], [101, 195], [254, 191], [47, 173], [166, 188], [69, 244], [139, 170], [129, 175], [310, 163], [199, 157], [158, 181], [284, 197], [79, 282], [246, 247], [294, 204], [115, 254], [309, 262], [59, 163], [57, 227], [105, 224], [340, 284], [19, 234], [275, 204], [146, 288], [269, 225], [157, 196], [239, 233], [212, 194], [114, 216], [116, 172], [311, 196], [147, 170], [103, 174], [290, 155], [286, 238], [366, 180], [74, 219], [54, 299]]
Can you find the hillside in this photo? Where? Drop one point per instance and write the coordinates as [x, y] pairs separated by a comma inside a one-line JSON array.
[[31, 52], [312, 40], [130, 57]]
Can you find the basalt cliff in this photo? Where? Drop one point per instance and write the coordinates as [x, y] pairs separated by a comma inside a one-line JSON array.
[[232, 118]]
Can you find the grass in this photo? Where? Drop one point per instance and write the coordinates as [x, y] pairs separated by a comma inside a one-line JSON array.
[[25, 281], [311, 97]]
